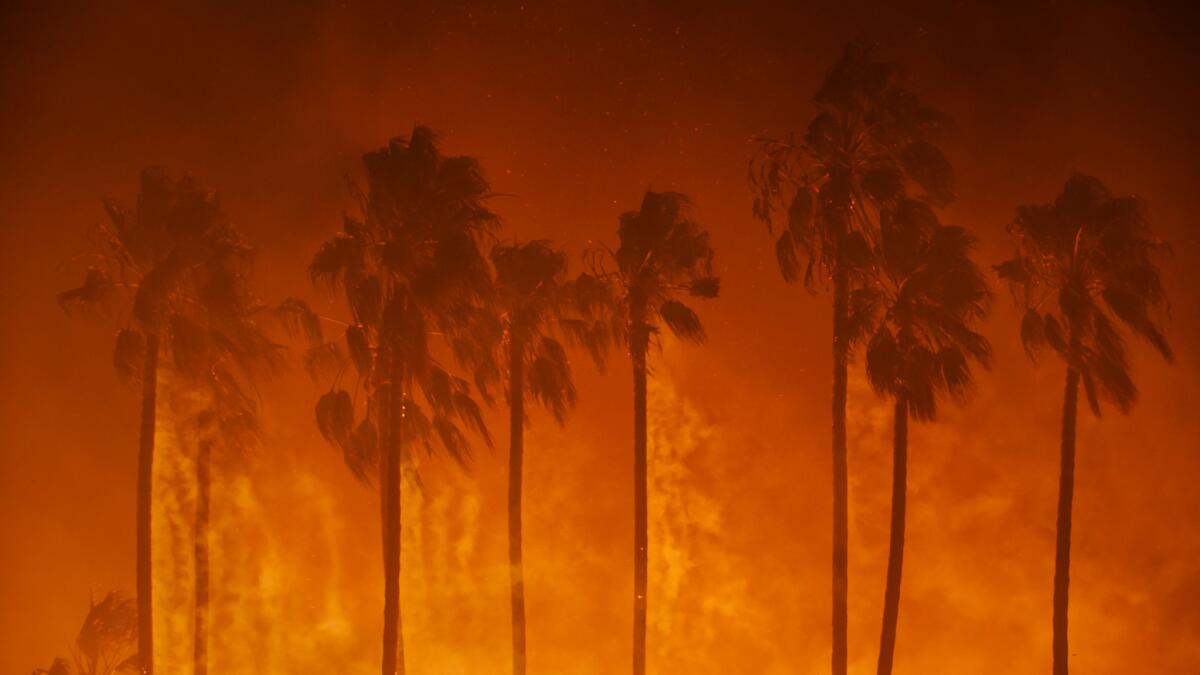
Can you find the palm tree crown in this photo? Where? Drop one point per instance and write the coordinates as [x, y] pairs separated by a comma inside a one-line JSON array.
[[534, 296], [184, 265], [663, 254], [917, 304], [410, 266], [870, 137], [1083, 265]]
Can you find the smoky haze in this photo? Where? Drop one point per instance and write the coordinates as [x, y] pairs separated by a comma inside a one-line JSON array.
[[574, 111]]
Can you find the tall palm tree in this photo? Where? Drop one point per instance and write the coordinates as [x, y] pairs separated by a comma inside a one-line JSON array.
[[534, 298], [159, 253], [870, 136], [916, 307], [412, 271], [227, 351], [663, 254], [1085, 265]]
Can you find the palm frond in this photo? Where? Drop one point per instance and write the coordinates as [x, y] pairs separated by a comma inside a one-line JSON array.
[[338, 260], [129, 353], [683, 322], [361, 452], [323, 361], [359, 347], [930, 169], [91, 298], [549, 378], [335, 416]]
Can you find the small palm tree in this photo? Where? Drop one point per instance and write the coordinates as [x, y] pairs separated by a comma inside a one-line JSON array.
[[869, 138], [534, 299], [412, 271], [663, 254], [918, 302], [1085, 265], [106, 642], [107, 637], [161, 254]]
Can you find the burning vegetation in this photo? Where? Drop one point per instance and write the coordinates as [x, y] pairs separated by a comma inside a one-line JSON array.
[[445, 361]]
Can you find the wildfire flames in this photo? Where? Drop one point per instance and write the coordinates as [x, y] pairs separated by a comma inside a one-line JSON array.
[[590, 139]]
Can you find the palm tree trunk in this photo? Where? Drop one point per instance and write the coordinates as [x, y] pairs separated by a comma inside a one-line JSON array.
[[203, 483], [895, 564], [1066, 494], [516, 428], [393, 637], [841, 528], [145, 584], [640, 525]]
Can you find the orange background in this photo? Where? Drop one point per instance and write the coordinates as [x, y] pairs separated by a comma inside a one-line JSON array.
[[574, 111]]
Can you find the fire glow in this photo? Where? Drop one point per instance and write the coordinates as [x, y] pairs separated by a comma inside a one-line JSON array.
[[583, 118]]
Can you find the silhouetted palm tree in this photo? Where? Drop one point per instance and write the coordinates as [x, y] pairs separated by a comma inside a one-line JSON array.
[[413, 271], [162, 253], [104, 645], [663, 254], [534, 298], [869, 138], [1084, 265], [227, 352], [918, 302]]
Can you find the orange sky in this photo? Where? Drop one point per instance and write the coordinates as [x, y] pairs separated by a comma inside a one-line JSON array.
[[574, 112]]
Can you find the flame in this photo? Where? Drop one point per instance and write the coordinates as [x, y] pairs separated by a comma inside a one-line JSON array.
[[276, 603], [687, 549], [297, 582]]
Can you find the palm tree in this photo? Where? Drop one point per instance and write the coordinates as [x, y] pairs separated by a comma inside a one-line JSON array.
[[663, 254], [105, 644], [106, 639], [160, 254], [918, 302], [412, 271], [226, 353], [535, 298], [1085, 265], [869, 138]]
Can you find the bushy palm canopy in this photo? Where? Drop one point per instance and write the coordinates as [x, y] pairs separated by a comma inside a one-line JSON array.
[[411, 266], [534, 296], [916, 307], [1084, 265], [184, 266], [868, 145], [663, 255], [108, 637]]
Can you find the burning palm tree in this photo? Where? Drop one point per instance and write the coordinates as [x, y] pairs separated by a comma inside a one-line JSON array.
[[412, 270], [161, 256], [536, 301], [663, 254], [227, 353], [916, 305], [1085, 265], [870, 136]]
